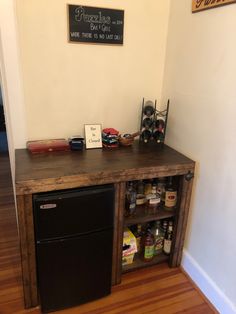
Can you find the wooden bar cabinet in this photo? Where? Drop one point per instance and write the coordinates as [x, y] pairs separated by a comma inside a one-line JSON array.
[[46, 172]]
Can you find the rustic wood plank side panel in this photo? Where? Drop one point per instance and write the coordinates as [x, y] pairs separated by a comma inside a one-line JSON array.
[[177, 229], [120, 224], [187, 185], [181, 222], [22, 225], [115, 235], [31, 250]]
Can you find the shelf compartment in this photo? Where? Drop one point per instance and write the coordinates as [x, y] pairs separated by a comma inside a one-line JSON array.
[[139, 263], [144, 214]]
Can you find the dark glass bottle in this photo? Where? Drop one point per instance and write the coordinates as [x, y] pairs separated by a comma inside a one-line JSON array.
[[140, 187], [170, 194], [164, 226], [148, 110], [160, 125], [138, 235], [146, 136], [130, 199], [147, 123], [158, 136]]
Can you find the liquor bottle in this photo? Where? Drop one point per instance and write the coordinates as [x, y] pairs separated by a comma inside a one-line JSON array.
[[146, 135], [161, 188], [154, 197], [168, 239], [130, 199], [154, 186], [138, 235], [158, 238], [147, 187], [148, 246], [164, 226], [171, 194], [141, 199], [140, 187]]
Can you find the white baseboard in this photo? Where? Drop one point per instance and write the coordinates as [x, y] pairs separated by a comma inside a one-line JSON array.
[[207, 285]]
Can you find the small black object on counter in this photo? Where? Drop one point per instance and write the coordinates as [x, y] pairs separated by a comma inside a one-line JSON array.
[[76, 142]]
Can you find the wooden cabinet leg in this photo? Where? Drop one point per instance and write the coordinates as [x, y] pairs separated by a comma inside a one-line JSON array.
[[27, 247], [118, 241]]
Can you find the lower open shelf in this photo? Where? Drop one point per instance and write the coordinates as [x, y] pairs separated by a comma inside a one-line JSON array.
[[138, 262]]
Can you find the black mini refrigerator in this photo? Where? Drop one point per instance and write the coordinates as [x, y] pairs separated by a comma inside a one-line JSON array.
[[74, 239]]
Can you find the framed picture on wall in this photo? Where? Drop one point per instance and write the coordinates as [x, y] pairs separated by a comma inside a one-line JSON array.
[[93, 135]]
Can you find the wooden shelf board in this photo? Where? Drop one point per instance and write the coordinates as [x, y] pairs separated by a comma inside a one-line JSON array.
[[139, 263], [144, 215]]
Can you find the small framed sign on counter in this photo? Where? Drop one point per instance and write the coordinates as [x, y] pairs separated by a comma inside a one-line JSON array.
[[93, 135], [95, 25]]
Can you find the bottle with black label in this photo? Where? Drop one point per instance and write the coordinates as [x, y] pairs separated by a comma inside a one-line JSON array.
[[168, 239], [170, 194]]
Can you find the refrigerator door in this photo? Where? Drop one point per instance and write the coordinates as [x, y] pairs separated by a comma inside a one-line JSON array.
[[74, 271], [70, 213]]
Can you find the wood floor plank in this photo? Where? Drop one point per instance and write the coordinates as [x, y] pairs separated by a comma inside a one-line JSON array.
[[155, 290]]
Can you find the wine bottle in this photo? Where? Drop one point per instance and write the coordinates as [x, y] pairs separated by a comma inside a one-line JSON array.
[[168, 239], [147, 123], [158, 136], [148, 110], [160, 124], [170, 194], [146, 135]]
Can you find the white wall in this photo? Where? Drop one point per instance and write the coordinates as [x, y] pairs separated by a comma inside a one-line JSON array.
[[68, 85], [200, 80], [10, 79]]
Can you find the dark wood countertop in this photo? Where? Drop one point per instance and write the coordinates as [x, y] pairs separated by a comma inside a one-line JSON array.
[[62, 170]]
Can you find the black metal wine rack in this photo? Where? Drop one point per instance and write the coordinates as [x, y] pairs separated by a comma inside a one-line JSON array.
[[153, 122]]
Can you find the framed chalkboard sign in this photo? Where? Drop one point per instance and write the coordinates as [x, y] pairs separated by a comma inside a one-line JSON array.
[[95, 25]]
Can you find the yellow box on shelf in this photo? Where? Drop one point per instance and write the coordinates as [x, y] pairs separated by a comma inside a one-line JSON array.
[[129, 247]]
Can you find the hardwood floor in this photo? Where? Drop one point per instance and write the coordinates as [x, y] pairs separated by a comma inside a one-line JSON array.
[[158, 290]]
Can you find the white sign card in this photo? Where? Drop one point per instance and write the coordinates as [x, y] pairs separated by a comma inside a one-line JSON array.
[[93, 135]]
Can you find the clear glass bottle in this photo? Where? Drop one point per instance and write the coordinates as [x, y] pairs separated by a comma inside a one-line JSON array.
[[158, 238], [161, 188]]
